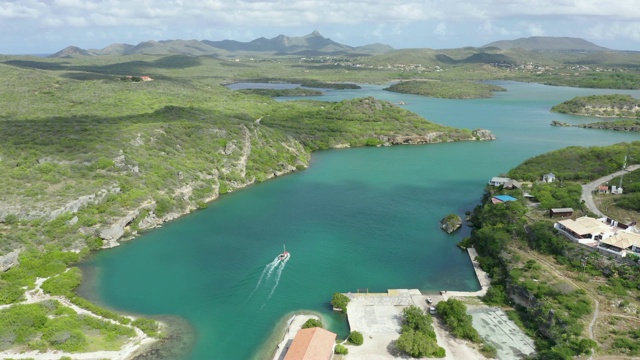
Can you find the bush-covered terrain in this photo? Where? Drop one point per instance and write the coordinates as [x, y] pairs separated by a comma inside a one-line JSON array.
[[88, 159], [49, 325], [578, 163], [615, 105], [551, 282], [446, 89]]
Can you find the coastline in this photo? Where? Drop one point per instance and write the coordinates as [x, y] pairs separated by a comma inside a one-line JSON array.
[[132, 347], [282, 331], [294, 324]]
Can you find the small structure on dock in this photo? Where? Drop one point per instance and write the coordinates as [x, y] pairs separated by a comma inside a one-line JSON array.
[[311, 344]]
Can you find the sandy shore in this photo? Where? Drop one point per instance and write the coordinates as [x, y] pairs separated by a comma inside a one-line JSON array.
[[134, 345]]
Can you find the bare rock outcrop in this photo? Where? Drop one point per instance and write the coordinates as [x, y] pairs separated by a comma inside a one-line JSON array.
[[9, 260], [115, 231], [483, 135]]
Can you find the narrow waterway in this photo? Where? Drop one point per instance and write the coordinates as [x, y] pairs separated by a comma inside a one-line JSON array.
[[362, 218]]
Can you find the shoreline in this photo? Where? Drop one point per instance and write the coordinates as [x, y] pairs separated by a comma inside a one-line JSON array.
[[133, 346], [280, 331], [294, 324]]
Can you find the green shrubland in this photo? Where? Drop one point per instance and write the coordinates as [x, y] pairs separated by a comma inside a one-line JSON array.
[[446, 89]]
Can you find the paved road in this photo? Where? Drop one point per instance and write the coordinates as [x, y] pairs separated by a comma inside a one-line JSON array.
[[588, 189]]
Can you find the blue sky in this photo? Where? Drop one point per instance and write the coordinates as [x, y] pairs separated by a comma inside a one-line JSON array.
[[46, 26]]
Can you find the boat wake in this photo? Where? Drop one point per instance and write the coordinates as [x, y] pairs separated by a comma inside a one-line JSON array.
[[271, 275], [280, 267], [268, 269]]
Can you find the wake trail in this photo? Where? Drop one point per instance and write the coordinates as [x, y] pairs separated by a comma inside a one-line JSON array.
[[268, 269], [277, 279]]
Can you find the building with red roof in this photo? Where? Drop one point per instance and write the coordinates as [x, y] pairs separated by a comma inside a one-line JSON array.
[[311, 344]]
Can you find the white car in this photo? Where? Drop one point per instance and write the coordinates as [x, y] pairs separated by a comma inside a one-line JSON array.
[[432, 310]]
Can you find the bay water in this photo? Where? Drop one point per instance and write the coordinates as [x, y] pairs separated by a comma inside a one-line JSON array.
[[362, 219]]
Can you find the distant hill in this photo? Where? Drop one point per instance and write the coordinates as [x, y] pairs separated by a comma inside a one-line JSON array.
[[71, 51], [547, 43], [313, 44]]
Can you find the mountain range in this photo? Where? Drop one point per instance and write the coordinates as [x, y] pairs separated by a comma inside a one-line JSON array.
[[309, 45], [314, 44]]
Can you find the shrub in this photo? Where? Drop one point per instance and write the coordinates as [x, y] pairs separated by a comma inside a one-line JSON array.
[[454, 314], [311, 323], [418, 344], [340, 301], [148, 326], [341, 350], [356, 338], [11, 219], [416, 319], [64, 283], [489, 351]]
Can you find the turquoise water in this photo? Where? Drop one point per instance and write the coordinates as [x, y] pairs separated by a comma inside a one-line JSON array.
[[362, 218]]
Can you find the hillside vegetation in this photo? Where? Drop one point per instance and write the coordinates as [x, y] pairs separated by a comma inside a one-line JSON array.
[[615, 105], [83, 152], [445, 89], [555, 285]]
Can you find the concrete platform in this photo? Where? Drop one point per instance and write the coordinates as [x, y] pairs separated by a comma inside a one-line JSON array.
[[494, 326]]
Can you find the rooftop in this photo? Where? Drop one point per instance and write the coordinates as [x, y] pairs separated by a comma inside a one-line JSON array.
[[311, 344], [622, 240], [585, 225]]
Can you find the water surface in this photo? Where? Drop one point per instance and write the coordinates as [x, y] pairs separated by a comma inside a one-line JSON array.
[[362, 218]]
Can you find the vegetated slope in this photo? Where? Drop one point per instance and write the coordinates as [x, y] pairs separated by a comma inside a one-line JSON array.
[[577, 163], [601, 105], [547, 43], [554, 285], [358, 122], [87, 161], [446, 89]]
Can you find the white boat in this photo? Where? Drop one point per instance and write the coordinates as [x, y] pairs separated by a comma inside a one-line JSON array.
[[285, 255]]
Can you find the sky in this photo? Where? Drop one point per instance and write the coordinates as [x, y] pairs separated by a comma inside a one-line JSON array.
[[47, 26]]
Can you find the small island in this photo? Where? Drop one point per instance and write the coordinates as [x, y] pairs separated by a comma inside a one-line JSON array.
[[616, 105], [450, 223], [446, 89]]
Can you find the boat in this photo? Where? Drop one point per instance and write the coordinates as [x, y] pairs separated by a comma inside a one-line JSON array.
[[284, 256]]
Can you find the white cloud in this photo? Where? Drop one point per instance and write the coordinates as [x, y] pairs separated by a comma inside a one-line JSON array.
[[609, 31], [441, 30], [535, 30], [387, 21]]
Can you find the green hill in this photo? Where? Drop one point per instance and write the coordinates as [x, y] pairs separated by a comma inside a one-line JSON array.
[[547, 43]]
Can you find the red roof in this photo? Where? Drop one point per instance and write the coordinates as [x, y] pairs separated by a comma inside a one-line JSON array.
[[311, 344]]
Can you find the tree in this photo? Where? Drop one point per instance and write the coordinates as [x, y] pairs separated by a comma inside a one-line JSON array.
[[454, 313], [340, 301], [416, 319], [418, 344], [356, 338], [341, 350], [311, 323]]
